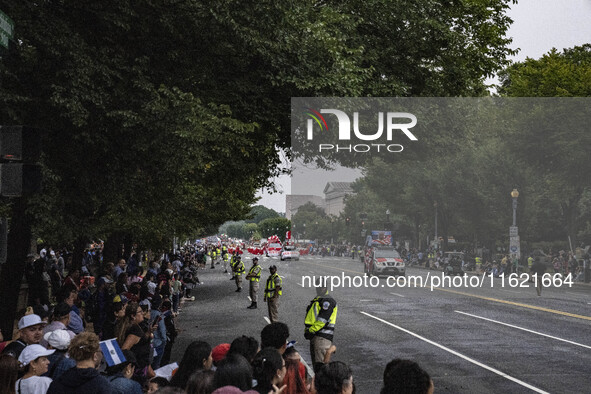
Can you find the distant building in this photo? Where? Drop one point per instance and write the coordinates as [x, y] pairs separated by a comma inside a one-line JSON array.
[[333, 202], [294, 201], [334, 197]]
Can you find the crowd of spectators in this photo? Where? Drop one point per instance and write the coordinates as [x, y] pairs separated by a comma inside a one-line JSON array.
[[57, 347]]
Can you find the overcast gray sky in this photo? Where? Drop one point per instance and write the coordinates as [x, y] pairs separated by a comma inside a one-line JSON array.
[[538, 26]]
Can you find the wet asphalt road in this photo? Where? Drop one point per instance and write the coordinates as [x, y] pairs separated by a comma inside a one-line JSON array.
[[528, 344]]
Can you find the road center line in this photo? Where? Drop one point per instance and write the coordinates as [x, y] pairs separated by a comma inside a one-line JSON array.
[[500, 373], [538, 308], [524, 329]]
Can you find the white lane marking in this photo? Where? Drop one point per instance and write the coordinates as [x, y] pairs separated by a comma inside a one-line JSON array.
[[500, 373], [577, 294], [301, 284], [267, 319], [365, 300], [525, 329], [399, 295]]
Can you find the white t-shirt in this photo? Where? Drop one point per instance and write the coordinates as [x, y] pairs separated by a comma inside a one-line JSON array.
[[33, 385]]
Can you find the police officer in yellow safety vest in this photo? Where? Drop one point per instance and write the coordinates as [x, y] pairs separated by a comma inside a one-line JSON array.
[[212, 256], [478, 261], [238, 271], [226, 258], [233, 261], [272, 293], [254, 275], [321, 317]]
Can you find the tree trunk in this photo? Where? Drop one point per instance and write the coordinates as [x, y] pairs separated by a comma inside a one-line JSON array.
[[78, 254], [112, 250], [19, 241]]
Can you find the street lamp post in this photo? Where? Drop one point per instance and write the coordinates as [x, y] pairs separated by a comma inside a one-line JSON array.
[[514, 244], [514, 195], [387, 219], [331, 230], [436, 237]]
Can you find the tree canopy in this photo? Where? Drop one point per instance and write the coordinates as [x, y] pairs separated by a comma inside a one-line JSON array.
[[163, 118]]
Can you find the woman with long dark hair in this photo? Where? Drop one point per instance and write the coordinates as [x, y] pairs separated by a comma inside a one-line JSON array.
[[8, 374], [268, 368], [197, 357], [131, 337]]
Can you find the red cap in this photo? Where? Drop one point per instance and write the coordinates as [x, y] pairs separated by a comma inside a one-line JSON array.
[[219, 352]]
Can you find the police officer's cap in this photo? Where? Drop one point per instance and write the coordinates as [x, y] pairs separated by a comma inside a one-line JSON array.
[[255, 259], [273, 267]]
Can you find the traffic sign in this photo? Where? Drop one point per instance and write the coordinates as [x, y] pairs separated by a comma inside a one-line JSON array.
[[513, 231]]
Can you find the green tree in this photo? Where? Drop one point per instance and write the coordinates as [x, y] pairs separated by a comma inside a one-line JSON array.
[[556, 153], [274, 226], [260, 213]]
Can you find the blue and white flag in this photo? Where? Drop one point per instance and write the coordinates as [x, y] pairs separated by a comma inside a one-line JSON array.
[[112, 352]]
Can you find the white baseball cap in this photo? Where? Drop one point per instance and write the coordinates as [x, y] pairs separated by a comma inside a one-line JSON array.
[[33, 352], [58, 339], [29, 320]]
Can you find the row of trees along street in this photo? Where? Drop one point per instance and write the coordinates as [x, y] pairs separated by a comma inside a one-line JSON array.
[[163, 119]]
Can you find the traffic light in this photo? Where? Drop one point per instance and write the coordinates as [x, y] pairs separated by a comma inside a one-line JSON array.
[[17, 179], [20, 143], [20, 150]]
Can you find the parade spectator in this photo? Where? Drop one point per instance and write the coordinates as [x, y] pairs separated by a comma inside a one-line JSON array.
[[39, 281], [275, 335], [116, 312], [109, 271], [295, 377], [159, 341], [120, 375], [268, 370], [55, 275], [99, 301], [246, 346], [59, 362], [201, 382], [406, 377], [8, 374], [31, 331], [156, 384], [72, 281], [171, 330], [121, 284], [234, 371], [84, 378], [60, 318], [295, 373], [219, 352], [69, 295], [131, 337], [197, 357], [176, 292], [34, 360], [119, 269], [334, 378]]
